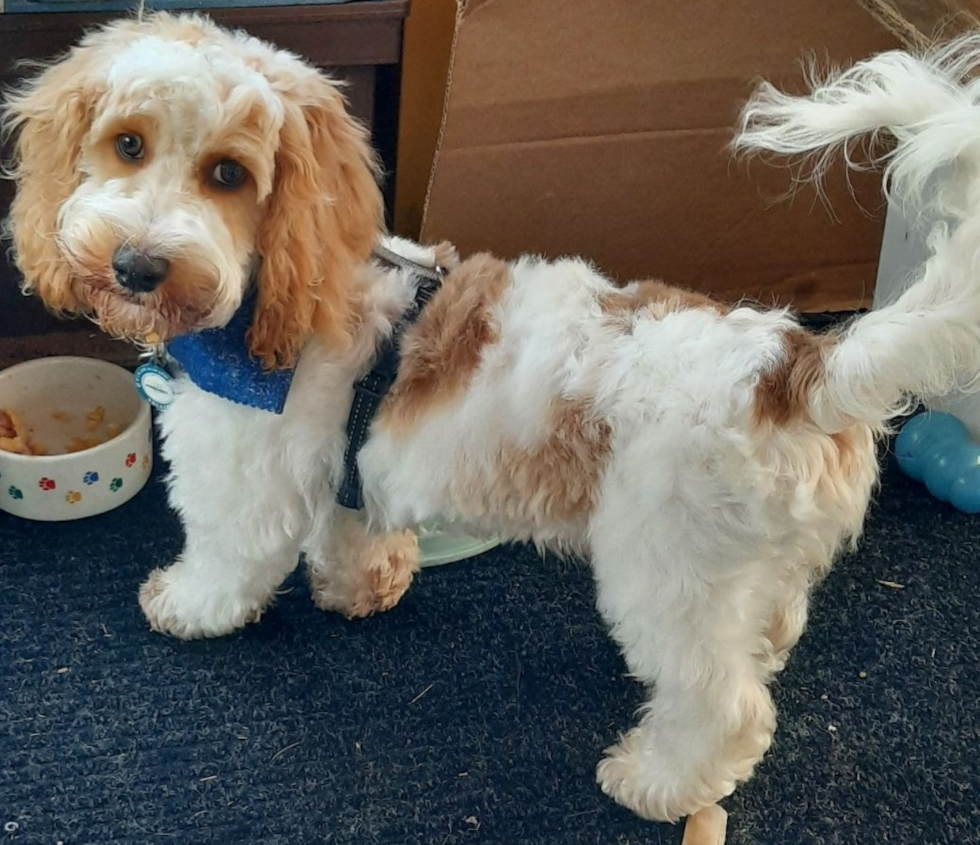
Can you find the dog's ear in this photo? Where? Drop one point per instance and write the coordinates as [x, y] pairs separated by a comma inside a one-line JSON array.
[[48, 117], [321, 221]]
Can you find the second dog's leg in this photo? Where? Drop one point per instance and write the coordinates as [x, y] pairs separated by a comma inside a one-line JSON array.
[[357, 573]]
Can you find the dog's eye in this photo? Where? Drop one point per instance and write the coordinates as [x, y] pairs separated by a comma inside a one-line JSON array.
[[129, 146], [229, 174]]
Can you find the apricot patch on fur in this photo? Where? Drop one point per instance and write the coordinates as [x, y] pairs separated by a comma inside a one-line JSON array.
[[782, 395], [654, 299], [552, 482], [442, 351]]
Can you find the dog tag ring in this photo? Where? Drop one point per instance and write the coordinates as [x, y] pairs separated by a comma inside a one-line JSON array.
[[155, 385]]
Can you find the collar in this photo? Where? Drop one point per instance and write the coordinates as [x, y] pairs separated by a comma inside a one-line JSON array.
[[218, 361], [371, 390]]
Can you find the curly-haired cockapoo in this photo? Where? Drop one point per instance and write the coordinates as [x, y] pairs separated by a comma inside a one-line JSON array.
[[709, 461]]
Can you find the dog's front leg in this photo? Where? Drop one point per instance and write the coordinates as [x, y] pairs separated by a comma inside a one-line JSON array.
[[224, 579], [356, 572], [243, 516]]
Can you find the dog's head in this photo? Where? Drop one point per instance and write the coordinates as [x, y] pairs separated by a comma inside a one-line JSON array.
[[164, 163]]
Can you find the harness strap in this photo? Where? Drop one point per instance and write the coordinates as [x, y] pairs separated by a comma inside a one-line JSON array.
[[370, 390]]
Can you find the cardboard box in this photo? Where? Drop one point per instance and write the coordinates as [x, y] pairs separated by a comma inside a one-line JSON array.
[[600, 128]]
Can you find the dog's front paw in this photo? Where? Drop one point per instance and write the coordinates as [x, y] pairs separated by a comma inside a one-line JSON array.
[[633, 776], [180, 606], [379, 577]]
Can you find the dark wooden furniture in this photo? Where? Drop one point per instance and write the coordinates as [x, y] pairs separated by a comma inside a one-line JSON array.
[[360, 42]]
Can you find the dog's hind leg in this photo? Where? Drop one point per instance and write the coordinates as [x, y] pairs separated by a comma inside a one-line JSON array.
[[784, 631], [690, 627], [790, 611], [357, 573]]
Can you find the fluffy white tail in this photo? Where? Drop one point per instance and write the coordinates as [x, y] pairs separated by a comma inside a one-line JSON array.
[[928, 341]]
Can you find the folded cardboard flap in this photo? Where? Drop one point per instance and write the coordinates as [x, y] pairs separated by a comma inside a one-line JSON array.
[[602, 128]]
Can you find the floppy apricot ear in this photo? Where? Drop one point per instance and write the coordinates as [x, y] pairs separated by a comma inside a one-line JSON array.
[[323, 217], [49, 117]]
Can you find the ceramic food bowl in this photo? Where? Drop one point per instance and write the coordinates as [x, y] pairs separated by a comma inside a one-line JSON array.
[[87, 417]]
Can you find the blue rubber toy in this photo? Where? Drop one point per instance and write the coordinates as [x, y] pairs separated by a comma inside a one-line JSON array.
[[937, 449]]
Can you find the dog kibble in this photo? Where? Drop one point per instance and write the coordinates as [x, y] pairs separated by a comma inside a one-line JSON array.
[[14, 435], [94, 418], [17, 438], [80, 444]]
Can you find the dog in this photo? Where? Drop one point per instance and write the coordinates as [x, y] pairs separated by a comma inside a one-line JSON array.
[[708, 460]]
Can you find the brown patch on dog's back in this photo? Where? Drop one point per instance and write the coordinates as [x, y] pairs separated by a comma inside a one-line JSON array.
[[443, 350], [782, 395], [655, 299]]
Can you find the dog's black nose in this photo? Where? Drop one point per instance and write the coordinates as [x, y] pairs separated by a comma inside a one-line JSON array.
[[138, 271]]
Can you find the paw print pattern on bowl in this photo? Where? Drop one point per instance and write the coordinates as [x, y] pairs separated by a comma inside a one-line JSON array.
[[115, 484], [130, 459], [146, 461], [91, 478], [73, 497], [15, 492], [47, 484]]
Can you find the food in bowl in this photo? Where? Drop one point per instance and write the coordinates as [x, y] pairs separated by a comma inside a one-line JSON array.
[[17, 437], [93, 425]]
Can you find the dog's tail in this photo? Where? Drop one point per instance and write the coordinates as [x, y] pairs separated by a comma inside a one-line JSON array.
[[930, 337], [926, 102]]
